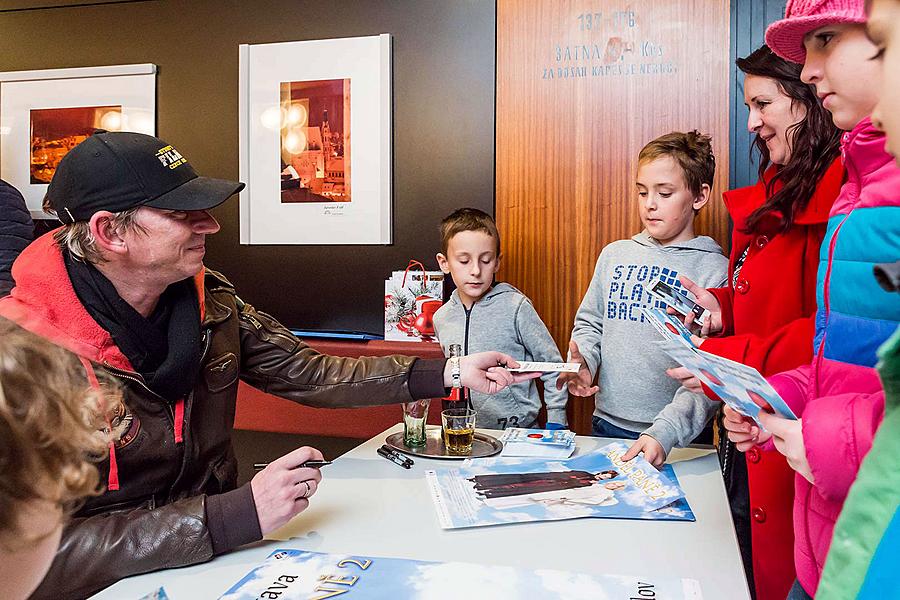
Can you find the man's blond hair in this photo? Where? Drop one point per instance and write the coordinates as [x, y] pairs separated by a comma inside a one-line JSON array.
[[78, 239]]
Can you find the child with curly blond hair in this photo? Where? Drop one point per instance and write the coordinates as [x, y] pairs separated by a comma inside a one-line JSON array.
[[50, 421]]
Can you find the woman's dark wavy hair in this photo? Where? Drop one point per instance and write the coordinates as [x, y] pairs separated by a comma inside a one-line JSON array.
[[815, 141]]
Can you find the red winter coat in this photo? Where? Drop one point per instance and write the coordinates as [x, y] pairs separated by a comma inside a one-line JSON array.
[[768, 320]]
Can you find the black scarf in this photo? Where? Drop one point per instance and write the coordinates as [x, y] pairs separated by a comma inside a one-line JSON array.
[[165, 347]]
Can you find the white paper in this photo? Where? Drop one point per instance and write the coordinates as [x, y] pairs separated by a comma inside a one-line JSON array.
[[545, 367]]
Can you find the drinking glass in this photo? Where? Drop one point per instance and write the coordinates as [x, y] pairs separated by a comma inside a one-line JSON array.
[[414, 415], [459, 430]]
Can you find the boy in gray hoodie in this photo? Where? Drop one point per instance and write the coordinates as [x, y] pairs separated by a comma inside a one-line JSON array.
[[674, 177], [480, 315]]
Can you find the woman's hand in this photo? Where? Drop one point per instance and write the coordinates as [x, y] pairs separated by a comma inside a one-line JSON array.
[[707, 300]]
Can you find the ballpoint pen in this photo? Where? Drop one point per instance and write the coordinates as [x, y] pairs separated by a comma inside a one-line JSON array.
[[311, 464], [398, 454], [391, 457]]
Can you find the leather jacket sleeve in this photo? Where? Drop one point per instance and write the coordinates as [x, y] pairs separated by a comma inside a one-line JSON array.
[[97, 551], [277, 362]]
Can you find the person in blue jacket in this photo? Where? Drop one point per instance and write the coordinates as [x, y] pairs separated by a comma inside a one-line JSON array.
[[16, 232]]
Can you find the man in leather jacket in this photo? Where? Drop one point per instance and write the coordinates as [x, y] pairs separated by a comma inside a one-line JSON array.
[[122, 285]]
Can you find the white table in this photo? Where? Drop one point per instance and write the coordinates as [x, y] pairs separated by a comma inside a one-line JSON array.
[[370, 506]]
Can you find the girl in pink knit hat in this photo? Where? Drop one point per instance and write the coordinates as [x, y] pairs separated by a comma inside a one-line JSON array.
[[838, 397], [884, 31], [828, 37]]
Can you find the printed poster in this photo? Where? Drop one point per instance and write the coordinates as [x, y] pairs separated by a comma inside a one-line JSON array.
[[519, 490], [298, 574]]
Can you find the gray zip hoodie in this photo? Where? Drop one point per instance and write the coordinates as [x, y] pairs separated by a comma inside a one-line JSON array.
[[504, 320], [611, 330]]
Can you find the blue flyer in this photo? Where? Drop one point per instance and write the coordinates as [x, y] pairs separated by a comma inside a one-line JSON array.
[[739, 386], [298, 574]]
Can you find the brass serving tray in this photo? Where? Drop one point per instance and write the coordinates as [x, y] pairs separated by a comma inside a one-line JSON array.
[[482, 445]]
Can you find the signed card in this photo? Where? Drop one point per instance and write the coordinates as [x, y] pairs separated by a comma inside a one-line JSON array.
[[545, 367], [678, 300]]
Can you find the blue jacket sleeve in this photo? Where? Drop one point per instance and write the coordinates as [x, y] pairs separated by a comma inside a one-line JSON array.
[[16, 232]]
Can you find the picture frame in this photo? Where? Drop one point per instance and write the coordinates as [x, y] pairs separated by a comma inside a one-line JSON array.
[[44, 113], [315, 141]]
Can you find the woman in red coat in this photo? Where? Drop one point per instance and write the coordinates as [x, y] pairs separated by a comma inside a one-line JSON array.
[[765, 315]]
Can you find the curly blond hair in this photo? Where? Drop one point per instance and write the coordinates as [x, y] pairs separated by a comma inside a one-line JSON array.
[[50, 428]]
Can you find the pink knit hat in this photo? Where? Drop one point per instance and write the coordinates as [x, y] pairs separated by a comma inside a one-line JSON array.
[[785, 37]]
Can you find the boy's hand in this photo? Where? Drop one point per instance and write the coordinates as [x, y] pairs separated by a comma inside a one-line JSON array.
[[787, 435], [652, 450], [482, 372], [704, 298], [578, 383], [685, 378], [742, 430]]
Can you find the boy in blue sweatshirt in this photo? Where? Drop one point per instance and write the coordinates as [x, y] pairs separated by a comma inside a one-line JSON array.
[[481, 315]]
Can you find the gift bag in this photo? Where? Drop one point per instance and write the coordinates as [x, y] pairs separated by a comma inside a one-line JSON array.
[[411, 298]]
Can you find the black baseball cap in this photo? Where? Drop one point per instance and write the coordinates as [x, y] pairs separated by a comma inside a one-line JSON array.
[[118, 170]]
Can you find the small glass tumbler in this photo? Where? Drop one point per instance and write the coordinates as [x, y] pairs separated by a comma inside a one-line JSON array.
[[459, 430], [414, 416]]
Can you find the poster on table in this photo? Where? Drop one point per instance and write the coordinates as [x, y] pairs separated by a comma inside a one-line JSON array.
[[46, 113], [315, 141], [496, 491], [299, 574]]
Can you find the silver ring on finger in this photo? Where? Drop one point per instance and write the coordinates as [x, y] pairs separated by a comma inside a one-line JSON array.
[[308, 489]]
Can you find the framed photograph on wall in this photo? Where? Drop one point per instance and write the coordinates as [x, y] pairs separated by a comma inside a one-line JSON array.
[[315, 141], [44, 114]]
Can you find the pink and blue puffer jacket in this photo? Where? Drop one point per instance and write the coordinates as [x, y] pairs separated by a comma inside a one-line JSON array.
[[839, 395]]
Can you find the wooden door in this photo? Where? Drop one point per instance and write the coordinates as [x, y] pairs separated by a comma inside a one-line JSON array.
[[582, 85]]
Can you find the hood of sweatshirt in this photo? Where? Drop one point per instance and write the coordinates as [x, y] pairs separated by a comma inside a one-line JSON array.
[[499, 293], [701, 243]]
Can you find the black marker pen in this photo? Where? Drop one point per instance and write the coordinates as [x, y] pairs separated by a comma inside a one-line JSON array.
[[393, 458], [398, 454], [311, 464]]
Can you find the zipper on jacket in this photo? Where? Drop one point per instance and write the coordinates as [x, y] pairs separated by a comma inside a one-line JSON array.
[[468, 312], [826, 298], [206, 338], [170, 411]]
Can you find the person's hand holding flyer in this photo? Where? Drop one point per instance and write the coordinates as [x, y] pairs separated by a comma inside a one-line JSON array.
[[739, 386]]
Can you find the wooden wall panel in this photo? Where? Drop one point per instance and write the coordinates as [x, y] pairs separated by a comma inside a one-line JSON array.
[[622, 74]]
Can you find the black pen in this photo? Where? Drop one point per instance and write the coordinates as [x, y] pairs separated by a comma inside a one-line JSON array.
[[310, 464], [393, 459], [398, 454]]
